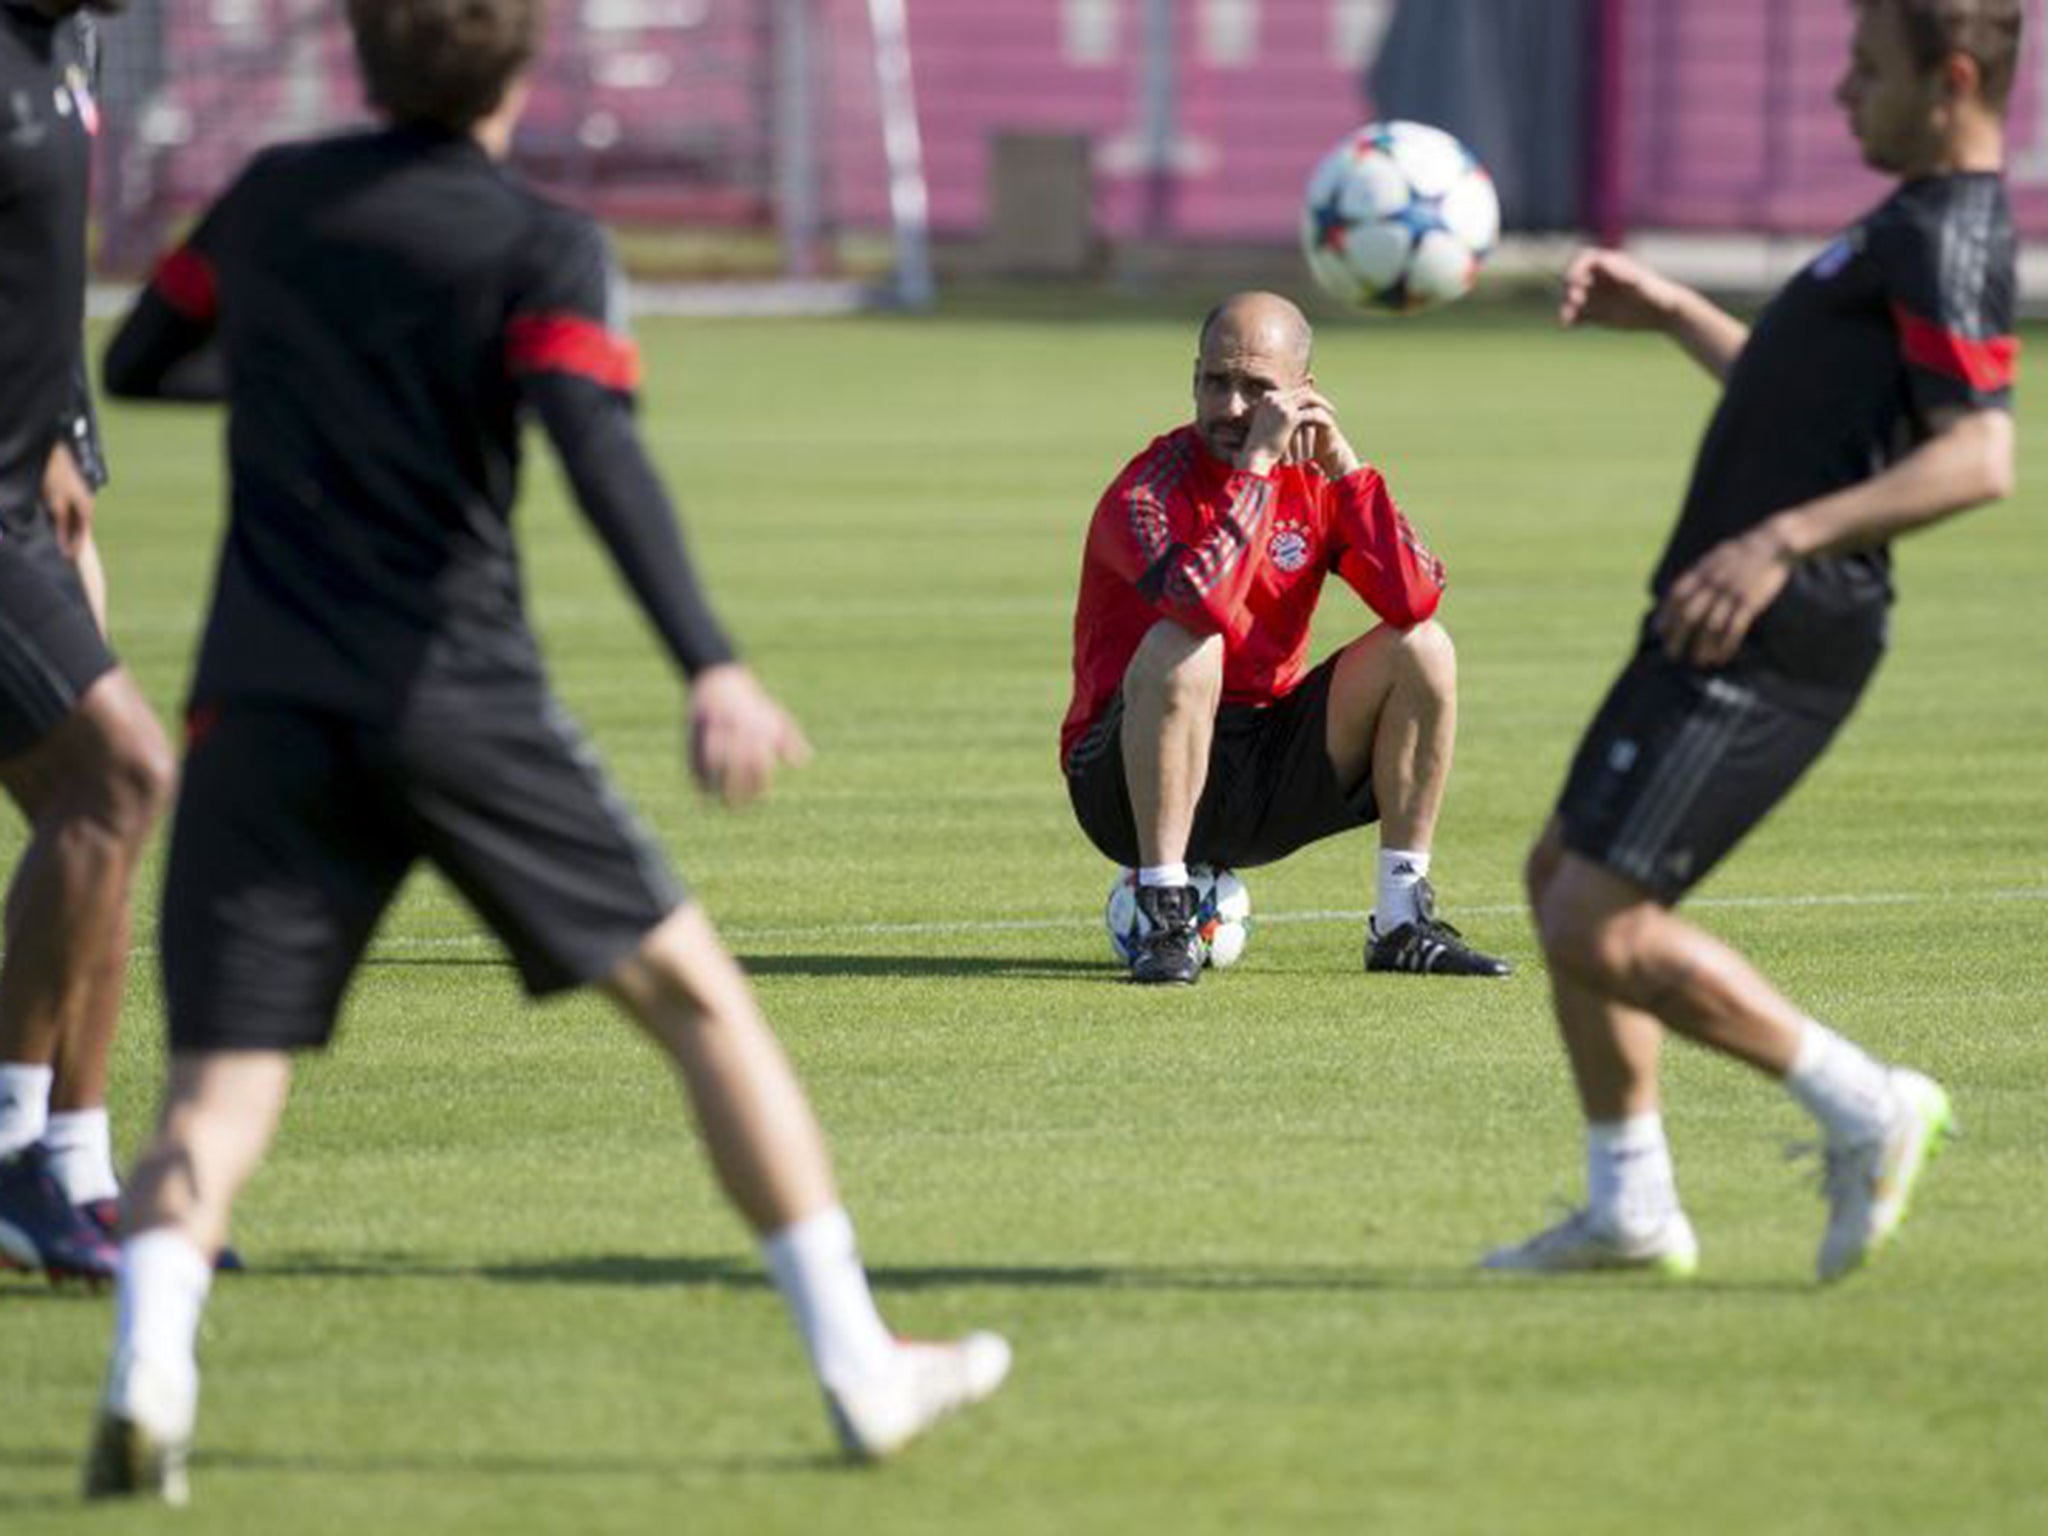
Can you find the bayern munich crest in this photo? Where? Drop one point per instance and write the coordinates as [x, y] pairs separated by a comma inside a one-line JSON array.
[[1289, 547]]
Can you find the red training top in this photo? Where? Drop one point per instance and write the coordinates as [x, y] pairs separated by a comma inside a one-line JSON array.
[[1181, 535]]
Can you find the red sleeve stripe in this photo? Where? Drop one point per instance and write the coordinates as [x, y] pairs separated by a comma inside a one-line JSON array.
[[572, 344], [183, 279], [1984, 365]]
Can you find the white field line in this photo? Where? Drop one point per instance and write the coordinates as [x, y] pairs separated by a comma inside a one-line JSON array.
[[483, 942]]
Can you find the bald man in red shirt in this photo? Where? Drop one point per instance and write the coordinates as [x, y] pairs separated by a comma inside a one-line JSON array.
[[1197, 732]]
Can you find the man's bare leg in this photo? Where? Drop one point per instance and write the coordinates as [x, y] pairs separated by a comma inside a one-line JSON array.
[[1171, 691], [1394, 714], [91, 790], [1625, 964], [1393, 717], [220, 1113], [692, 998], [689, 994]]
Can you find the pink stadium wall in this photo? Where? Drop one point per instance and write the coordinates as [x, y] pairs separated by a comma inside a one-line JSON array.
[[1728, 118], [1265, 86], [1718, 116]]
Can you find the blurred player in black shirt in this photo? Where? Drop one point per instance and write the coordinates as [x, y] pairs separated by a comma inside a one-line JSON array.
[[80, 753], [1870, 400], [384, 308]]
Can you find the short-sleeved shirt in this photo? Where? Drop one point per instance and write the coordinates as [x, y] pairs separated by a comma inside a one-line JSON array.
[[47, 118], [1181, 535], [1904, 316], [379, 298]]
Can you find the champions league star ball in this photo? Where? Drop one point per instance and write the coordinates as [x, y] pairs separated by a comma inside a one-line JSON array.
[[1398, 217], [1223, 915]]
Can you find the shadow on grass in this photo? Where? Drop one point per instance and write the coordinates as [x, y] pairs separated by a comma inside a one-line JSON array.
[[1039, 968], [495, 1466], [740, 1274], [1023, 967], [500, 1465], [493, 961]]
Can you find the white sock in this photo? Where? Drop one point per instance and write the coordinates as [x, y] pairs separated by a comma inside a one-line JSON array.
[[1401, 871], [818, 1271], [1630, 1185], [158, 1295], [24, 1105], [1840, 1085], [82, 1154], [1162, 874]]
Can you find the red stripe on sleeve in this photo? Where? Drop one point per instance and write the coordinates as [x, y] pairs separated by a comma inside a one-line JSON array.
[[183, 279], [572, 344], [1983, 365]]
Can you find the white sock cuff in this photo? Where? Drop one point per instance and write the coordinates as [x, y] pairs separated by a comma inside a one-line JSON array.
[[1816, 1043], [1630, 1134], [73, 1126], [828, 1235], [82, 1154], [1163, 874], [165, 1254], [1416, 860]]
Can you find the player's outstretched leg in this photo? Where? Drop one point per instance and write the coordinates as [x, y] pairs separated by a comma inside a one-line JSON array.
[[1623, 963], [881, 1392], [1632, 1219], [1393, 716], [220, 1112]]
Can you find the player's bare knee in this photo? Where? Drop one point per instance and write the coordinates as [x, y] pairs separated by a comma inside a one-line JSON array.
[[1176, 667], [1596, 946], [1427, 659], [680, 978], [139, 779], [123, 773]]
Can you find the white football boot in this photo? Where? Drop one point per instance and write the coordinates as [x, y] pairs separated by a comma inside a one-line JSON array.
[[932, 1380], [1869, 1185], [143, 1435], [1580, 1243]]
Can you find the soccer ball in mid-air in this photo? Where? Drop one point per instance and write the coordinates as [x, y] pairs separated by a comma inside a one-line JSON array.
[[1398, 217], [1223, 915]]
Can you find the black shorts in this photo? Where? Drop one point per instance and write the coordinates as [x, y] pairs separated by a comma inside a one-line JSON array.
[[1271, 787], [294, 830], [1680, 764], [51, 651]]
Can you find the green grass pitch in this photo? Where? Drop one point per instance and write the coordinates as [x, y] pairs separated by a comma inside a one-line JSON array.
[[1229, 1231]]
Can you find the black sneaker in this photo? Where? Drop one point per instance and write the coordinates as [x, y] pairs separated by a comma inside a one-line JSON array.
[[1172, 951], [1428, 946]]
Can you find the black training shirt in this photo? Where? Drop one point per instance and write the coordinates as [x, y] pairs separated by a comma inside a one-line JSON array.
[[47, 118], [386, 305], [1907, 314]]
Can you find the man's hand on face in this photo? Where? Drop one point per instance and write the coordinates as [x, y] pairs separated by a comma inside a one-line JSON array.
[[1296, 426]]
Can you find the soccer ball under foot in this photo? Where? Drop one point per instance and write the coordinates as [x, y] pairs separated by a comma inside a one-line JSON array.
[[1223, 915]]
